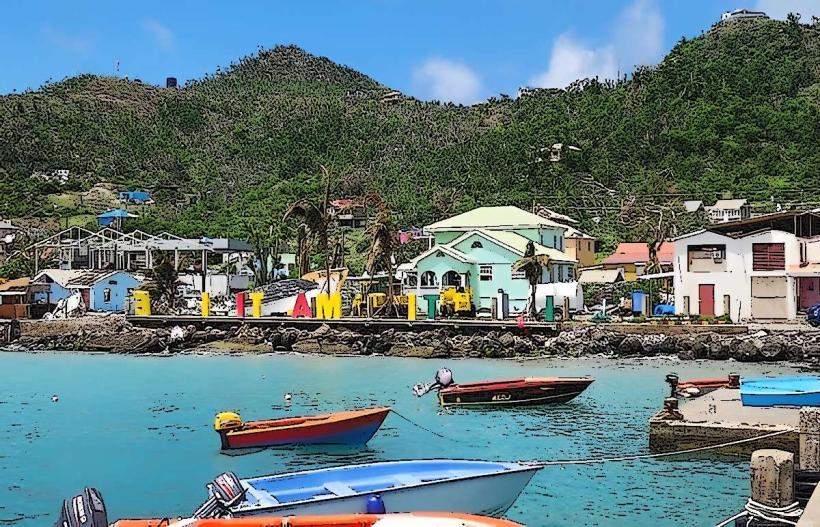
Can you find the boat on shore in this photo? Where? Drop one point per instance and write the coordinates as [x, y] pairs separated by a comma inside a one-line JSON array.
[[354, 427], [781, 391], [509, 392], [690, 388], [471, 487]]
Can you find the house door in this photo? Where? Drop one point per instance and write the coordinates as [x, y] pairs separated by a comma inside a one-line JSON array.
[[86, 294], [809, 292], [706, 300], [769, 297]]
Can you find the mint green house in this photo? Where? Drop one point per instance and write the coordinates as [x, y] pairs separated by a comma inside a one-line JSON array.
[[478, 249]]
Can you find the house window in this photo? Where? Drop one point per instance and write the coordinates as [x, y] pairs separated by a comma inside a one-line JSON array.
[[106, 295], [706, 258], [412, 279], [555, 241], [476, 245], [485, 273], [519, 275], [768, 257], [428, 279]]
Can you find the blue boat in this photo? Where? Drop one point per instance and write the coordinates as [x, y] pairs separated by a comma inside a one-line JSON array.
[[439, 485], [780, 391]]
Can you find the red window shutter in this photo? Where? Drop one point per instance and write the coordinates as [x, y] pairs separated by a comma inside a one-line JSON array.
[[768, 257]]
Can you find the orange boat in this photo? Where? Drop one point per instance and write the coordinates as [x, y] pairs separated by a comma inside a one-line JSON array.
[[415, 519], [354, 427]]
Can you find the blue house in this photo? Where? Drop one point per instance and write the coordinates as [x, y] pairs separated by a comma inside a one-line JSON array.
[[100, 290], [114, 218], [477, 250], [135, 196]]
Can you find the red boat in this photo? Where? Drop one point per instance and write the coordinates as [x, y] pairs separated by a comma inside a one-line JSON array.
[[690, 388], [354, 427], [512, 392]]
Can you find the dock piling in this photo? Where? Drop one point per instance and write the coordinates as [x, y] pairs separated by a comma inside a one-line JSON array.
[[809, 439], [772, 477]]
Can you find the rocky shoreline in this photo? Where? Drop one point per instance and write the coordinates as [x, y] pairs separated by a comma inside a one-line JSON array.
[[115, 335]]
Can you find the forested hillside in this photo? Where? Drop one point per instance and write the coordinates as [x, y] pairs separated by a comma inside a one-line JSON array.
[[735, 110]]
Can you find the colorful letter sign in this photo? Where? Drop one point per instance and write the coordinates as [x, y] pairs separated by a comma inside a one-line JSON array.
[[328, 307], [301, 307]]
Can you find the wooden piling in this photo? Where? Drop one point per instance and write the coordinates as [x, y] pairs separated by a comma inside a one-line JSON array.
[[809, 455], [772, 477]]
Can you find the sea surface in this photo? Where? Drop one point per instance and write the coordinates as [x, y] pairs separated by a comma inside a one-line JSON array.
[[140, 430]]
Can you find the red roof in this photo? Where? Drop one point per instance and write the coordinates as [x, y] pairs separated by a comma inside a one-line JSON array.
[[638, 252]]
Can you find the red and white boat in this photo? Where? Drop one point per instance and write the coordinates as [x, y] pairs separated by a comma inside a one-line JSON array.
[[354, 427], [509, 392]]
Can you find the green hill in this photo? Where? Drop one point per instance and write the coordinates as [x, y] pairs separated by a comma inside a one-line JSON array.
[[737, 110]]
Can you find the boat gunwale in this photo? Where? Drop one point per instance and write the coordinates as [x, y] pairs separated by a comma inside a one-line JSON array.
[[521, 467], [309, 422]]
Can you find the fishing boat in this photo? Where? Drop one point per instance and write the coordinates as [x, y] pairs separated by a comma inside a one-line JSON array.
[[511, 392], [690, 388], [88, 509], [780, 391], [415, 519], [471, 487], [354, 427]]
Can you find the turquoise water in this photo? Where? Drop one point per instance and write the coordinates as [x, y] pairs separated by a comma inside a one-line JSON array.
[[139, 429]]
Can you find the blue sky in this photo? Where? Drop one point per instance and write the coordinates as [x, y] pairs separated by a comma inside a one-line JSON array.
[[458, 50]]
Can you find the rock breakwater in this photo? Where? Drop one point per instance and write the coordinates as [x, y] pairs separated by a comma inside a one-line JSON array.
[[115, 334]]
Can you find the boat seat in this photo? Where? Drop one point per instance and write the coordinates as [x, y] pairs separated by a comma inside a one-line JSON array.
[[339, 488], [407, 479], [254, 496]]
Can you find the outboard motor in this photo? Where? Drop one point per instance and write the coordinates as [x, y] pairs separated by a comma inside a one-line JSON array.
[[672, 380], [224, 492], [444, 378], [85, 510]]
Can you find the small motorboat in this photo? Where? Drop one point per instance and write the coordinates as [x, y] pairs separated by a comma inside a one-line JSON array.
[[512, 392], [471, 487], [414, 519], [780, 391], [354, 427], [690, 388], [88, 510]]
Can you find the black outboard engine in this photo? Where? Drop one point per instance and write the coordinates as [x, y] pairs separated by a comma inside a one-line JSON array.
[[224, 492], [444, 378], [85, 510]]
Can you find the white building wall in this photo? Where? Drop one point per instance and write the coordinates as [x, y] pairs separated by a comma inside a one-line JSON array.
[[736, 280]]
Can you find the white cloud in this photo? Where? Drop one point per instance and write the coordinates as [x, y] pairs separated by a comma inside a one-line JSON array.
[[637, 38], [781, 8], [447, 80], [162, 35], [570, 60]]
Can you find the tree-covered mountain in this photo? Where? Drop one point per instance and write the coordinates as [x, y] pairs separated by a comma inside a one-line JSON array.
[[735, 110]]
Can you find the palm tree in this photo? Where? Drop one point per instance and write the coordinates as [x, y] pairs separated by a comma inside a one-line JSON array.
[[382, 251], [533, 265], [314, 223]]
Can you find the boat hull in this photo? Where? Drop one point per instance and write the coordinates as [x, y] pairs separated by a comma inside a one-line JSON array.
[[783, 391], [517, 392], [486, 495], [355, 430], [417, 519]]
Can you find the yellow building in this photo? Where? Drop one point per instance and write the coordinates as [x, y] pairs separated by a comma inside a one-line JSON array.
[[579, 246]]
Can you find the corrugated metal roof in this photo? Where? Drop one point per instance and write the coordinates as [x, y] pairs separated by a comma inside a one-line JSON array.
[[506, 217], [638, 252], [572, 232], [75, 278], [729, 204], [600, 276], [519, 243], [18, 285]]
